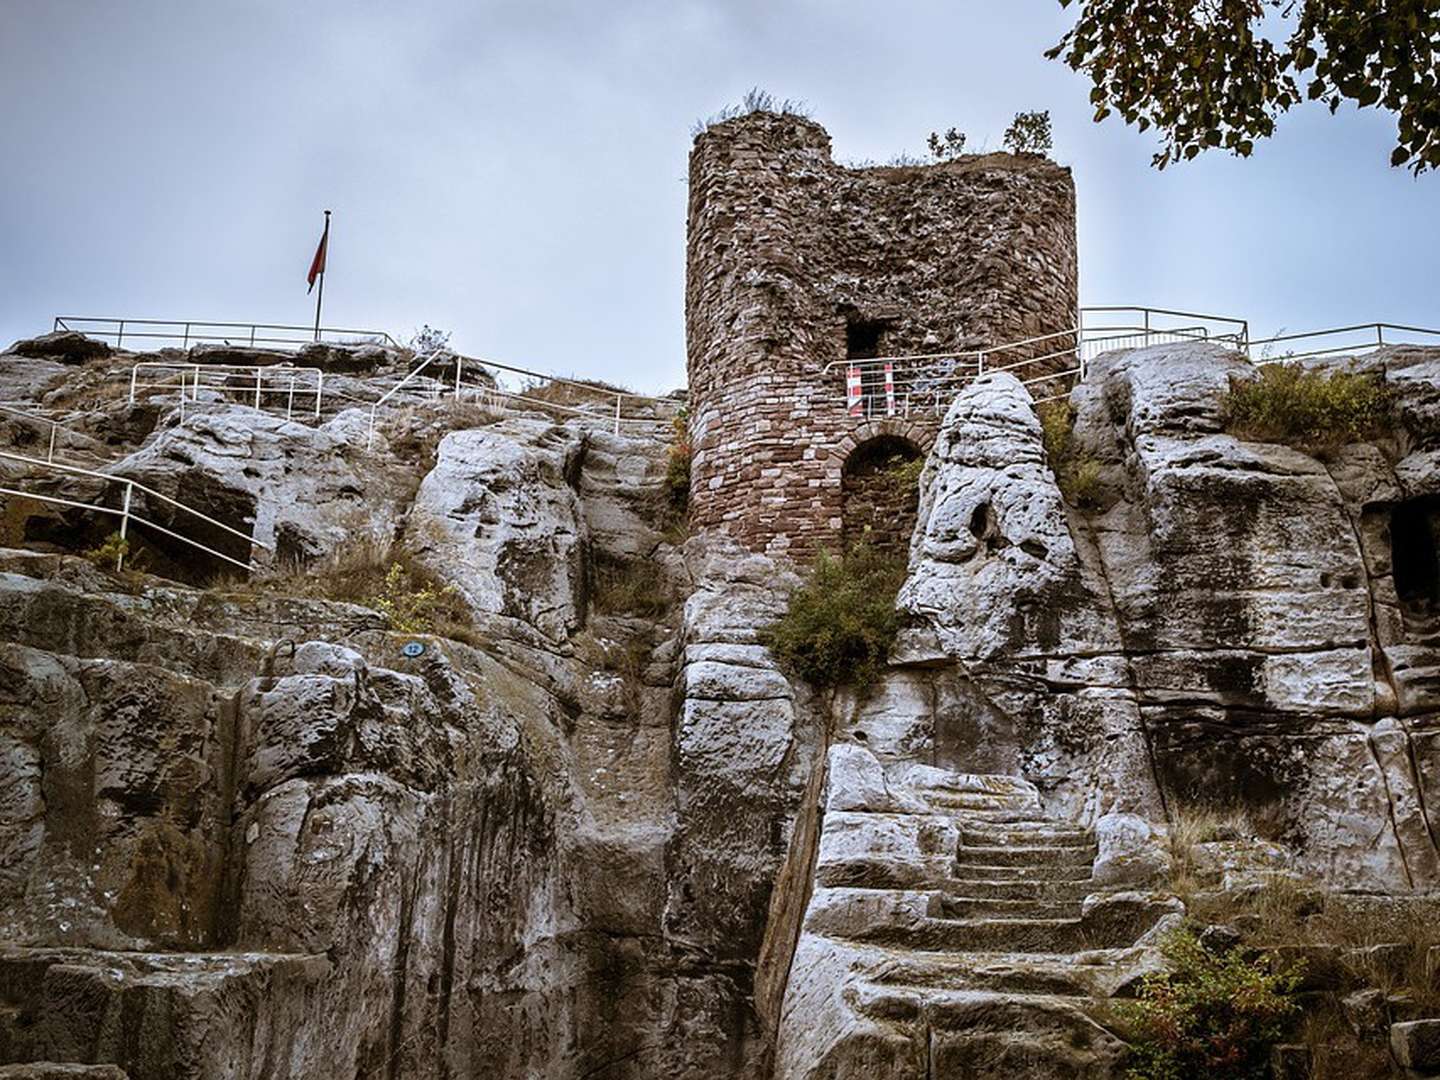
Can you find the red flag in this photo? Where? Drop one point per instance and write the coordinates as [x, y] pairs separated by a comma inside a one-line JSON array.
[[317, 264]]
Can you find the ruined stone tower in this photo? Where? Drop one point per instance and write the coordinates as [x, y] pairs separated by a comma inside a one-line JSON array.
[[801, 272]]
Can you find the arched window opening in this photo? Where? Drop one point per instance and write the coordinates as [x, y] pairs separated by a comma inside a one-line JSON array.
[[880, 492]]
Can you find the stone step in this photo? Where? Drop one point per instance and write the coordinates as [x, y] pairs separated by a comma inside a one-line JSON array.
[[965, 870], [61, 1070], [1025, 855], [970, 792], [1039, 833], [976, 907], [979, 935], [1099, 973], [984, 1035], [1054, 891]]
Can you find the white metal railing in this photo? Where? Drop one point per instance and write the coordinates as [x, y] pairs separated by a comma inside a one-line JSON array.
[[56, 435], [1051, 364], [189, 332], [271, 384], [529, 391], [127, 513], [1339, 341], [890, 386]]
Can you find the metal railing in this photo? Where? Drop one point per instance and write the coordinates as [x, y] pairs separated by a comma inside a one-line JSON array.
[[1339, 341], [189, 332], [272, 384], [907, 385], [537, 392], [127, 513], [55, 435], [903, 386]]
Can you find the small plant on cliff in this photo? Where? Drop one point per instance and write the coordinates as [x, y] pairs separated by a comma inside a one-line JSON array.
[[110, 553], [946, 147], [414, 603], [841, 624], [1209, 1015], [1030, 133], [677, 468], [1076, 473], [1313, 411]]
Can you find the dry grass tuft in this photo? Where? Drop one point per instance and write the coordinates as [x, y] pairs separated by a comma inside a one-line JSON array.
[[373, 572]]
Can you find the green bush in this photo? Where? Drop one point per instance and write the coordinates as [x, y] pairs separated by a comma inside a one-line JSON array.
[[677, 467], [110, 553], [414, 603], [1209, 1016], [841, 624], [1310, 410], [1030, 133], [1077, 474]]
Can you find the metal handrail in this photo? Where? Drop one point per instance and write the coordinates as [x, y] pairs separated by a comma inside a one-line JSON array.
[[126, 513], [55, 429], [1379, 329], [197, 371], [190, 331], [499, 392]]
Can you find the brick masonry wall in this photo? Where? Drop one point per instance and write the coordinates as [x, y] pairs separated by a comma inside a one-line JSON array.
[[785, 248]]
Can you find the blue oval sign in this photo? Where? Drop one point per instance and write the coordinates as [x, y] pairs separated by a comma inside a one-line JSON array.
[[412, 648]]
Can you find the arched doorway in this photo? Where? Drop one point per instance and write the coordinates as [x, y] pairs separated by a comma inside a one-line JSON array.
[[880, 493]]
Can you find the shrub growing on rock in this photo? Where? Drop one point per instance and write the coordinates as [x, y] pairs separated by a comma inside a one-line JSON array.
[[842, 623], [1314, 411], [1077, 474], [1211, 1015]]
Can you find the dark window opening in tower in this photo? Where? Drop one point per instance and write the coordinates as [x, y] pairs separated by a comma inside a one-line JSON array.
[[1415, 553], [862, 339]]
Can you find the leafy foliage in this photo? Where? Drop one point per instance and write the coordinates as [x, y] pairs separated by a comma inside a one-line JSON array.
[[1030, 133], [1209, 1016], [1076, 473], [413, 603], [946, 147], [677, 467], [110, 553], [1311, 410], [1204, 74], [842, 623]]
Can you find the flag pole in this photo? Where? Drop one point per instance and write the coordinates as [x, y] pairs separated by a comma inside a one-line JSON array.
[[320, 299]]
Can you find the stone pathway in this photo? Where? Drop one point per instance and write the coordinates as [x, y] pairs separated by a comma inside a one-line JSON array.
[[949, 935]]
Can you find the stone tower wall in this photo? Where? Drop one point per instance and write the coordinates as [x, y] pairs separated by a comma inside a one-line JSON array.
[[786, 248]]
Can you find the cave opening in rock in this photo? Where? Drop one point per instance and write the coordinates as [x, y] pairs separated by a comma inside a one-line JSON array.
[[880, 493], [1415, 553]]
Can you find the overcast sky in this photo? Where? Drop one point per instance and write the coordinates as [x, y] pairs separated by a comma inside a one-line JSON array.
[[515, 172]]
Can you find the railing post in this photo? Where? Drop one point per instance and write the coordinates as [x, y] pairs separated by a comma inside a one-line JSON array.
[[120, 334], [458, 361], [50, 455], [319, 387], [290, 401], [134, 373], [124, 523], [1379, 335], [196, 396], [258, 377], [185, 341], [252, 335], [617, 413], [979, 365]]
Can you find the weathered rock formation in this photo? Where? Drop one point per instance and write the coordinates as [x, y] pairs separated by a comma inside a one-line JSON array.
[[244, 833]]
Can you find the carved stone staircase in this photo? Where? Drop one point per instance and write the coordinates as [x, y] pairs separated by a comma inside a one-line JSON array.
[[949, 934]]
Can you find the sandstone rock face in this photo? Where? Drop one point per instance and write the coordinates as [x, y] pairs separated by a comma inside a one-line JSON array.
[[1228, 625], [248, 834]]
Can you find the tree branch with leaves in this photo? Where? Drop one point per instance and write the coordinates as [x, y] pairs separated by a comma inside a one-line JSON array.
[[1218, 73]]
